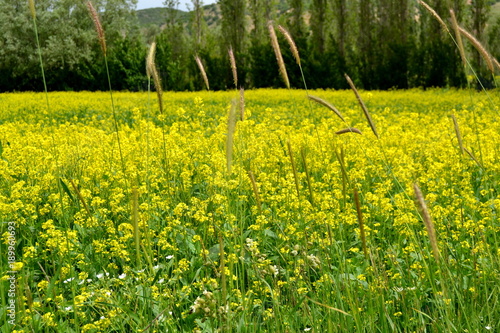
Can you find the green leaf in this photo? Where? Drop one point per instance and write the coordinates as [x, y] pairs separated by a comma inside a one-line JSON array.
[[66, 189]]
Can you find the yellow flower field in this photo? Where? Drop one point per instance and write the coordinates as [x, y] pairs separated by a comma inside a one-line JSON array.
[[147, 229]]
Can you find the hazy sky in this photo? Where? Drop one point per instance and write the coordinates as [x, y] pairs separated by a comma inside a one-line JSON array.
[[142, 4]]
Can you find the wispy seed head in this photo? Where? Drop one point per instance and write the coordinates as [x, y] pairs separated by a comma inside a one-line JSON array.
[[277, 52], [290, 41], [98, 26]]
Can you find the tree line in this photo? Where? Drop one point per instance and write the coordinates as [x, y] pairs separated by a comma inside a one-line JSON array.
[[381, 44]]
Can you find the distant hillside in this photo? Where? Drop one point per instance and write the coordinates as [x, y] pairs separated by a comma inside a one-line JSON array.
[[212, 14], [156, 16]]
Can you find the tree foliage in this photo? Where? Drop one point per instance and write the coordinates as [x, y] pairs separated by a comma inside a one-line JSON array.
[[381, 44]]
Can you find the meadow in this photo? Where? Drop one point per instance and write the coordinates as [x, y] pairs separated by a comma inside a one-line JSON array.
[[214, 217]]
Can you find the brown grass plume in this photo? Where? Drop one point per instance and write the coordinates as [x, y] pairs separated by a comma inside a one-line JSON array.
[[277, 52], [202, 70], [232, 60], [349, 130], [326, 104], [363, 106], [98, 26], [293, 47], [433, 13], [458, 37], [479, 47], [429, 225], [152, 71]]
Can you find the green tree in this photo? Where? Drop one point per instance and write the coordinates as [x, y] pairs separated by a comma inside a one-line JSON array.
[[68, 41]]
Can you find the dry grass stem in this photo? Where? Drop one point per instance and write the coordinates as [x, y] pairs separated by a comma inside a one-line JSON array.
[[152, 71], [458, 37], [308, 176], [429, 225], [361, 223], [327, 306], [363, 106], [202, 70], [98, 26], [255, 190], [473, 157], [457, 132], [433, 13], [80, 197], [349, 130], [231, 127], [345, 177], [242, 104], [233, 67], [479, 47], [293, 47], [222, 270], [326, 104], [294, 168], [279, 57]]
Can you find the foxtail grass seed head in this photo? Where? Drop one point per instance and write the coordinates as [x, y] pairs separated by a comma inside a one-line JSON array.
[[429, 225], [363, 106], [233, 67], [479, 47], [326, 104], [458, 37], [98, 26], [202, 70], [349, 130], [293, 47], [150, 60], [433, 13], [152, 71], [32, 8], [277, 52]]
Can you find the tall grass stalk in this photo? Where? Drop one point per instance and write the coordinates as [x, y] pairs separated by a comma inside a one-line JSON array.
[[152, 72], [361, 223], [458, 134], [35, 27], [231, 128], [102, 41], [242, 104], [255, 190], [135, 223], [308, 175], [294, 168]]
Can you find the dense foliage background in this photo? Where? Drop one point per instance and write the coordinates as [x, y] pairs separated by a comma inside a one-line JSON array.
[[382, 44]]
